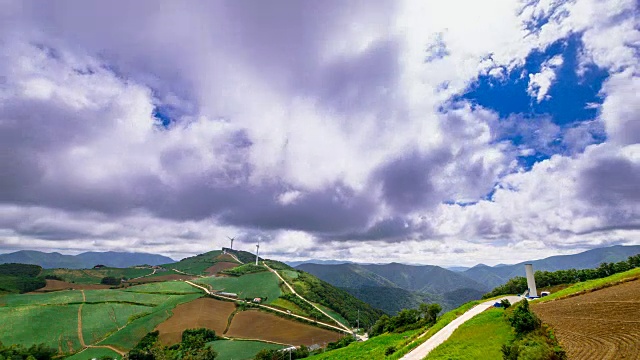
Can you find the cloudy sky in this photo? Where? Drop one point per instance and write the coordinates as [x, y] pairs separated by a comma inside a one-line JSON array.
[[435, 132]]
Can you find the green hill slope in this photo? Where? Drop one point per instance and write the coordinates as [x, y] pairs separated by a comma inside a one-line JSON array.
[[393, 287]]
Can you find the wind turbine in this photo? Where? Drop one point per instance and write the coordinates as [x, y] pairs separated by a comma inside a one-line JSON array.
[[231, 238], [257, 251]]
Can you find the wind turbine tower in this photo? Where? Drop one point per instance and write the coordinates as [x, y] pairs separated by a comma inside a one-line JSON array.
[[230, 238], [257, 251]]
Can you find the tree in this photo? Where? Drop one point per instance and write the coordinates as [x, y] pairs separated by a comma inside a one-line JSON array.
[[110, 280], [432, 312]]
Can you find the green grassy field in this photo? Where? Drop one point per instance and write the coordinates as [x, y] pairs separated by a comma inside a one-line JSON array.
[[240, 349], [99, 320], [336, 316], [373, 348], [124, 296], [54, 325], [250, 285], [93, 276], [128, 337], [167, 287], [479, 338], [94, 353], [58, 297]]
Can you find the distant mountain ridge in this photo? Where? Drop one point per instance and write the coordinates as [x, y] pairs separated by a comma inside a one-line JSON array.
[[84, 260], [392, 287], [500, 274]]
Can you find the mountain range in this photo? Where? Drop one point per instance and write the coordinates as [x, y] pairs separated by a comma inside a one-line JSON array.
[[392, 287], [493, 276], [84, 260]]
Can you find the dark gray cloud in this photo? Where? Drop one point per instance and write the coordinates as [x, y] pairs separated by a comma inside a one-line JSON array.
[[611, 181], [406, 181]]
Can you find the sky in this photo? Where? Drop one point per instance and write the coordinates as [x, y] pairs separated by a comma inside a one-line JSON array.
[[423, 132]]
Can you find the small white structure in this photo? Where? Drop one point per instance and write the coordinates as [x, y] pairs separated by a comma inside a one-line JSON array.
[[257, 250], [531, 281]]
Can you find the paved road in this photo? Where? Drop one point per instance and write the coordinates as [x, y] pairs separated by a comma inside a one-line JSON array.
[[441, 336]]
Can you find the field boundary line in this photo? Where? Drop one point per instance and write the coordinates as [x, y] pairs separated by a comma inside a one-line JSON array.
[[80, 336], [309, 302], [266, 307]]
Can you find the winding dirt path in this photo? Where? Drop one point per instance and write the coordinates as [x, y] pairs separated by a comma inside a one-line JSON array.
[[267, 307], [309, 302], [80, 337]]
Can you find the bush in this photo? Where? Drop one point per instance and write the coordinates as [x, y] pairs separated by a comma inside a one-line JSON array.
[[522, 319], [390, 350], [505, 303]]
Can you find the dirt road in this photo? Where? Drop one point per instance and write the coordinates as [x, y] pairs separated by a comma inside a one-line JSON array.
[[309, 302], [441, 336]]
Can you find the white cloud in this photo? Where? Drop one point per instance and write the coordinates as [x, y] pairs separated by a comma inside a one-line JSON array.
[[265, 105], [540, 83]]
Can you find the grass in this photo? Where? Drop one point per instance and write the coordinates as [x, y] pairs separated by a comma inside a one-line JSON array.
[[591, 285], [99, 320], [195, 265], [373, 348], [337, 316], [52, 298], [124, 296], [128, 337], [479, 338], [288, 305], [93, 276], [94, 353], [240, 349], [264, 284], [166, 287], [55, 325]]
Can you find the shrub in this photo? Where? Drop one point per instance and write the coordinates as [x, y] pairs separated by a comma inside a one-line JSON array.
[[505, 303], [522, 319], [390, 350]]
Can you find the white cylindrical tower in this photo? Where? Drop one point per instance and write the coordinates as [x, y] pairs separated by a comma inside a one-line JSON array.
[[531, 280], [257, 251]]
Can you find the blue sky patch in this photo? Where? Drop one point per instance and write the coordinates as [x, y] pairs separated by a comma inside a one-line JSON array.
[[161, 114]]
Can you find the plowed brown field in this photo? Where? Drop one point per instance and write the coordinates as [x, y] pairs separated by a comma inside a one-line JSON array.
[[603, 324], [253, 324], [55, 285], [219, 267], [203, 312]]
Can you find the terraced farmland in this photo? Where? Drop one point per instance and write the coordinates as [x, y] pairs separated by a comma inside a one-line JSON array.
[[604, 324], [223, 265], [57, 285], [204, 312]]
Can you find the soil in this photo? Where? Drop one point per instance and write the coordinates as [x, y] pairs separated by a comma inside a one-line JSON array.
[[203, 312], [253, 324], [604, 324], [217, 267], [56, 285]]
